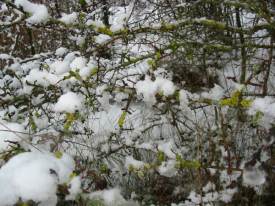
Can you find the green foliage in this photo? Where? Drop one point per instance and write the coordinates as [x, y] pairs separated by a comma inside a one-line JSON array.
[[70, 118], [186, 164], [104, 169], [256, 118], [160, 157], [236, 101], [96, 202], [74, 74], [105, 30], [58, 154], [94, 71], [32, 124], [121, 119], [82, 2], [213, 24]]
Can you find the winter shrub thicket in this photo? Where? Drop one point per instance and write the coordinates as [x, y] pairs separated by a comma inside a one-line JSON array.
[[138, 102]]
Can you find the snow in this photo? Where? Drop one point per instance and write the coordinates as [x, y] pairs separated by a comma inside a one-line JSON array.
[[39, 13], [3, 7], [42, 78], [5, 56], [102, 38], [33, 176], [96, 23], [131, 162], [148, 88], [167, 147], [61, 51], [69, 102], [168, 168], [266, 106], [78, 63], [120, 17], [165, 86], [253, 177], [111, 197], [216, 93], [85, 72], [12, 132], [69, 18], [74, 188], [227, 194], [60, 67]]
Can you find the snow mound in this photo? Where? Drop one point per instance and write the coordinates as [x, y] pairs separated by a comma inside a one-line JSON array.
[[39, 13], [34, 176], [111, 197], [69, 102], [69, 18]]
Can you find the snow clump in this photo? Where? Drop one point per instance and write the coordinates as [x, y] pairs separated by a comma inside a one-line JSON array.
[[69, 102], [69, 18], [34, 176], [39, 13]]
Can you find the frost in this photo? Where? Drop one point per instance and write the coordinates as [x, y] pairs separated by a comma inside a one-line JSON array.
[[69, 18], [69, 102], [39, 12]]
